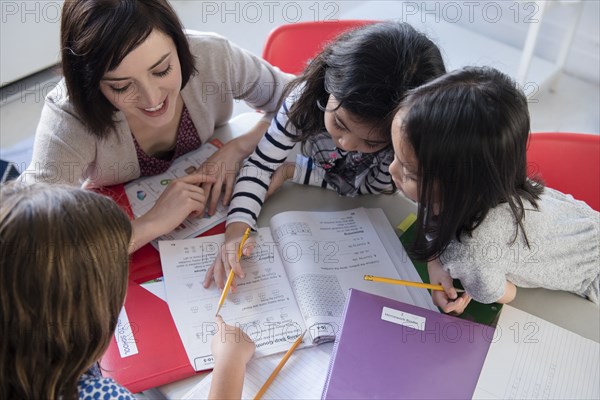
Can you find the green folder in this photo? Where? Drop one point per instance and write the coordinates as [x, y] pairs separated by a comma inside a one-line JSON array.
[[483, 313]]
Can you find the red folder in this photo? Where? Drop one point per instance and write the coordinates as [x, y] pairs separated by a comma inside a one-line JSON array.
[[145, 263], [161, 357]]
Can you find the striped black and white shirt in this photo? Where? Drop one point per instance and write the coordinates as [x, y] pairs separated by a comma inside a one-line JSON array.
[[350, 173]]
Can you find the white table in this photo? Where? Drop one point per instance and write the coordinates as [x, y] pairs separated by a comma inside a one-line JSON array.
[[564, 309]]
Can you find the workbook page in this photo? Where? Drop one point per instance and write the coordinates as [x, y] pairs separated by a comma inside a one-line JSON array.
[[327, 253], [262, 305]]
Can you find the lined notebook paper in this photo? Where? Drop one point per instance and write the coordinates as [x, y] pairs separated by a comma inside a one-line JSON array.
[[535, 359], [302, 377]]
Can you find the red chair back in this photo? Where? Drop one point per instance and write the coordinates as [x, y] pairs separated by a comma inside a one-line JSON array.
[[568, 162], [291, 46]]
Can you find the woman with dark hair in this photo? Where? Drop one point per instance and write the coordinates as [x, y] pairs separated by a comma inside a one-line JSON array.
[[137, 93], [460, 146], [340, 109]]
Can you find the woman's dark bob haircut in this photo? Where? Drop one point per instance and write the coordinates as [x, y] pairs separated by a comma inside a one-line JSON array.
[[95, 37]]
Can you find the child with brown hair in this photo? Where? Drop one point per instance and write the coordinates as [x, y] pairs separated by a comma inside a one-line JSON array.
[[63, 280]]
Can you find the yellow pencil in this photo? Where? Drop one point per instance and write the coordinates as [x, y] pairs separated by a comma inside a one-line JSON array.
[[241, 248], [231, 274], [406, 283], [287, 355]]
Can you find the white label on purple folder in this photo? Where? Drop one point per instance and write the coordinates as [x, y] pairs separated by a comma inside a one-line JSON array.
[[403, 318]]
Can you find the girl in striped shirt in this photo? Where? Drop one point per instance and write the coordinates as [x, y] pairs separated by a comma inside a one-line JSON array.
[[340, 111]]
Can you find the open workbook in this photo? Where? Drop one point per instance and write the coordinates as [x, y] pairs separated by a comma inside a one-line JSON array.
[[297, 279]]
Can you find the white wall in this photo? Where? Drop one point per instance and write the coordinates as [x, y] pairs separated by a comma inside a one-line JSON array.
[[244, 21], [29, 31], [502, 20], [29, 37], [584, 57]]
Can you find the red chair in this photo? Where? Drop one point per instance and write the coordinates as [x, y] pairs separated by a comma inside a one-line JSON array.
[[568, 162], [291, 46]]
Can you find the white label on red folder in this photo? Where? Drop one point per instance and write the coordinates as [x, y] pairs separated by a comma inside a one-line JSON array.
[[124, 336], [403, 318]]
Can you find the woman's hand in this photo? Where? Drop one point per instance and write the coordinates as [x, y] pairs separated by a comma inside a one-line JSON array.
[[228, 258], [283, 173], [182, 197], [448, 300], [225, 164]]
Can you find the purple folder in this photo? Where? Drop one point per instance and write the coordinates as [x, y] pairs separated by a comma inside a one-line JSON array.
[[422, 354]]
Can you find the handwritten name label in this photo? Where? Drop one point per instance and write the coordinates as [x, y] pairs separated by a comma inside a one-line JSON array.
[[124, 336], [403, 318]]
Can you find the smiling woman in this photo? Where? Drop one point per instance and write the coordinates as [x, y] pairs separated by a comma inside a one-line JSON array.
[[145, 88], [138, 92]]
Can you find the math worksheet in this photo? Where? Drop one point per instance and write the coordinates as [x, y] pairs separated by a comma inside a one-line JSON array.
[[297, 279]]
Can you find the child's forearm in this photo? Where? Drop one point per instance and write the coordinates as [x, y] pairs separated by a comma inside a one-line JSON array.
[[227, 381], [510, 292]]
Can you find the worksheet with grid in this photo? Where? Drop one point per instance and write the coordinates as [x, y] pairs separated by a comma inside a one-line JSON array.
[[297, 279]]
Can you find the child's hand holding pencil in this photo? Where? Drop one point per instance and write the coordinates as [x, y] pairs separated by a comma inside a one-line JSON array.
[[229, 260], [448, 299], [443, 293], [229, 281]]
